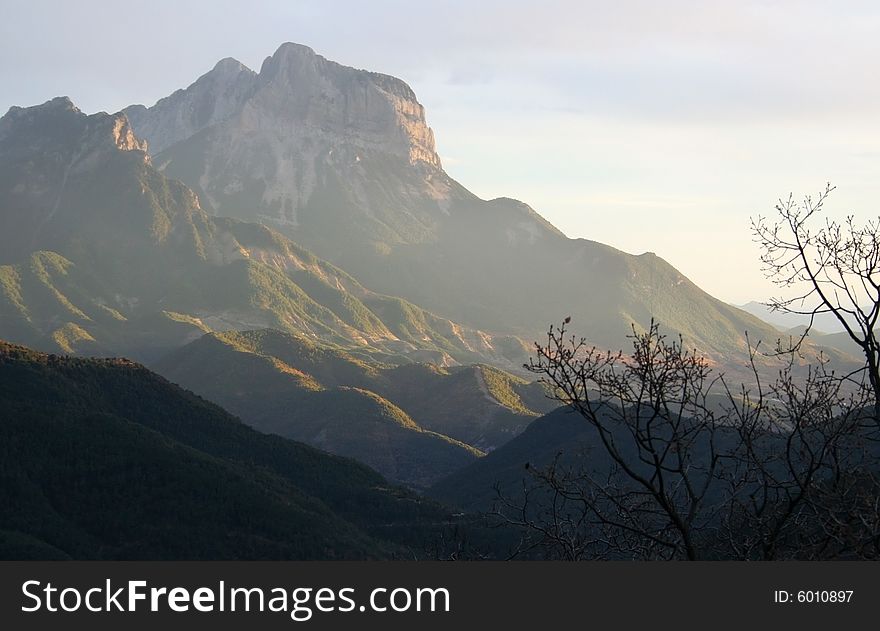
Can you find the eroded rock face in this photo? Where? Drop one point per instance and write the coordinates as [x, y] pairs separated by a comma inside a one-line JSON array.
[[258, 145], [213, 98], [376, 111], [295, 88]]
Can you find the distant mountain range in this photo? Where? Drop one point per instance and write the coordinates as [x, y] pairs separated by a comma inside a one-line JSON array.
[[823, 322], [826, 330]]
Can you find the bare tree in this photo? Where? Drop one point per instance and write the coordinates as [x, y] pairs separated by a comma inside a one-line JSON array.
[[555, 514], [826, 267], [682, 466], [804, 457]]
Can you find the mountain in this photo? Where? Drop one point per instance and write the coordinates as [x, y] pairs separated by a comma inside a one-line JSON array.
[[414, 423], [343, 161], [823, 322], [840, 341], [825, 332], [103, 459], [302, 120], [100, 253]]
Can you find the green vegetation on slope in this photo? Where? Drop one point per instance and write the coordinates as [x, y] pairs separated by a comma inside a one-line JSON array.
[[299, 391], [104, 459], [476, 405], [96, 242], [405, 228]]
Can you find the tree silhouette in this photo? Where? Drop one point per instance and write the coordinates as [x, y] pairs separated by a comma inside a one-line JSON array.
[[826, 267], [682, 466]]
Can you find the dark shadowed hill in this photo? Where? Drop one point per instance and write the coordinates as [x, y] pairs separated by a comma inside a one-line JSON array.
[[559, 433], [104, 459]]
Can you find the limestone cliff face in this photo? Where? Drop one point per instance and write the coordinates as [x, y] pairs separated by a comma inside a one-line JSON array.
[[213, 98], [371, 110], [259, 145], [300, 89]]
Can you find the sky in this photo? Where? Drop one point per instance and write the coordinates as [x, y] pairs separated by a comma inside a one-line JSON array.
[[650, 126]]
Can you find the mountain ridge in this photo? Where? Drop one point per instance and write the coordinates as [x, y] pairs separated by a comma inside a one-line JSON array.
[[406, 227], [127, 243], [415, 423], [105, 459]]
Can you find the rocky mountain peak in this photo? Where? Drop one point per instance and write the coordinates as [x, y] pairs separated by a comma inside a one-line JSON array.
[[214, 97], [56, 161], [297, 93], [58, 113], [58, 125], [229, 66], [288, 54], [294, 65], [57, 104], [259, 145]]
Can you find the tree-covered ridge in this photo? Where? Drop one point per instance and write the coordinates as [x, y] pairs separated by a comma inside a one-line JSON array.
[[104, 459], [415, 423]]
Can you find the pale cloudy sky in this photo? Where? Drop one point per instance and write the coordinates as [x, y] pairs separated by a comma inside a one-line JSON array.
[[658, 126]]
